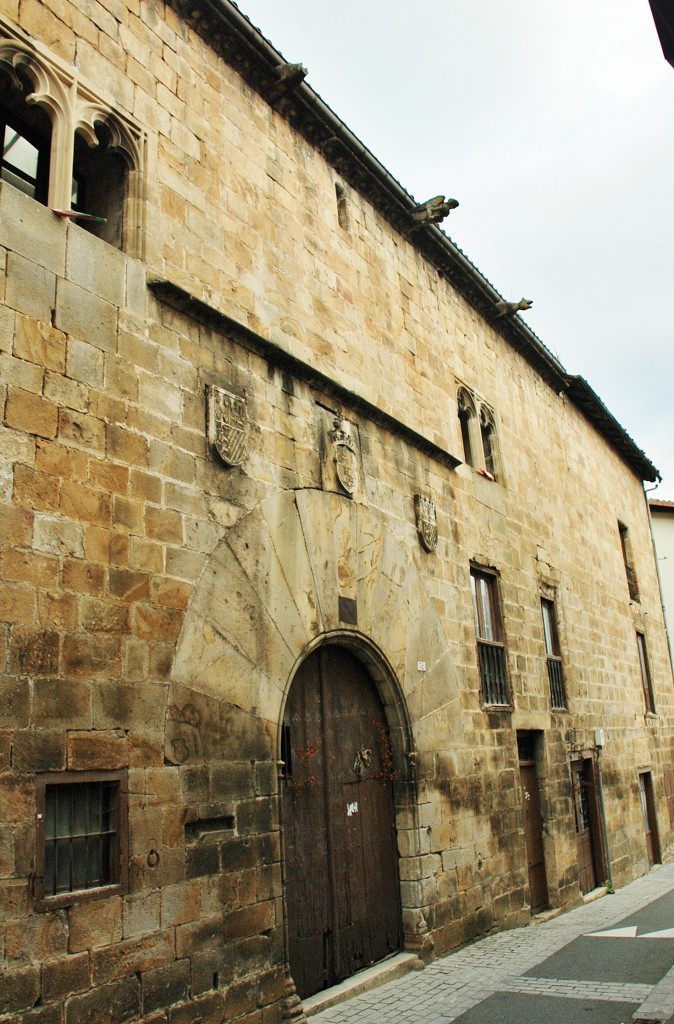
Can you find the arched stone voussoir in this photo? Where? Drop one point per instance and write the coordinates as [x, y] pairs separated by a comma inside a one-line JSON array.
[[210, 663], [257, 554], [286, 534], [228, 599], [201, 728], [328, 524]]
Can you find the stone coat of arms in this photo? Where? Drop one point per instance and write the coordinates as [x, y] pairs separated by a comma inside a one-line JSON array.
[[227, 424], [344, 455], [427, 523]]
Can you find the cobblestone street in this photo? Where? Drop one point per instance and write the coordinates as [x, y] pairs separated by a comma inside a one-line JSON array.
[[488, 976]]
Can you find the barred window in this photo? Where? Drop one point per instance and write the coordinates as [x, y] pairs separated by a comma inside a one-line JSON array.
[[490, 636], [82, 839], [554, 654]]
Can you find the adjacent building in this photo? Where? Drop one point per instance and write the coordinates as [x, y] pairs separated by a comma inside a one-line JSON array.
[[329, 614]]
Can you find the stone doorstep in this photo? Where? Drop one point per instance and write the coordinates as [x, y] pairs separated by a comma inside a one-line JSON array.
[[595, 894], [371, 977]]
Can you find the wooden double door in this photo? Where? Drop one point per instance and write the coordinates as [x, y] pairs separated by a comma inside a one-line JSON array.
[[342, 882]]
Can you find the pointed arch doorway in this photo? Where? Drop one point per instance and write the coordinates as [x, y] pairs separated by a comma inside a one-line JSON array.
[[342, 880]]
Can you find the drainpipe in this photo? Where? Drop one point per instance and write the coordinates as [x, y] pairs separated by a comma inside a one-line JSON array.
[[598, 744], [647, 490]]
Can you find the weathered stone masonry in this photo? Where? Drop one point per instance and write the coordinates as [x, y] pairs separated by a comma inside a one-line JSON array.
[[155, 603]]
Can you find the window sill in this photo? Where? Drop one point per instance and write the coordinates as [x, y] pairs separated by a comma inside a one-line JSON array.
[[68, 899]]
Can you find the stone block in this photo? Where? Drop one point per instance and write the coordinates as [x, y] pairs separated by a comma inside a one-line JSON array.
[[204, 935], [162, 624], [142, 913], [132, 957], [17, 604], [272, 986], [39, 343], [38, 750], [34, 651], [96, 266], [56, 701], [136, 289], [31, 288], [83, 577], [120, 705], [57, 609], [240, 998], [108, 476], [85, 504], [16, 526], [95, 924], [32, 230], [253, 920], [99, 616], [17, 798], [85, 363], [65, 977], [165, 986], [32, 413], [20, 374], [55, 536], [36, 937], [97, 657], [202, 860], [86, 315], [66, 393], [81, 431], [114, 1004], [126, 446], [91, 751], [208, 1009], [180, 904], [23, 566], [164, 525], [35, 490], [19, 989], [52, 457], [14, 702], [127, 515]]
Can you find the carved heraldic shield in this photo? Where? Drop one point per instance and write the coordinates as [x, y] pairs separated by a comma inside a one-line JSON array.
[[344, 455], [427, 523], [227, 424]]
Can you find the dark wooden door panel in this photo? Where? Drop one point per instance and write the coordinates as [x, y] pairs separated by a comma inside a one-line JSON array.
[[533, 830], [339, 821]]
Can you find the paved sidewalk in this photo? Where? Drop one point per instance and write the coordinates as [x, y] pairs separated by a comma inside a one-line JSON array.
[[511, 963]]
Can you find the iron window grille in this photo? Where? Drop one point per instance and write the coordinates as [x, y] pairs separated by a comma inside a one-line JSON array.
[[553, 652], [491, 651], [82, 837]]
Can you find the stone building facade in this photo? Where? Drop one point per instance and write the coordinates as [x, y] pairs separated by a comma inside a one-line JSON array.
[[324, 587]]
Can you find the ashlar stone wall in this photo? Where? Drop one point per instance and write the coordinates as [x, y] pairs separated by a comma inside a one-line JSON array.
[[155, 604]]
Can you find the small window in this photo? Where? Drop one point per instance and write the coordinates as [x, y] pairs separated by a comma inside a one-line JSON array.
[[342, 206], [645, 674], [26, 138], [82, 836], [554, 656], [489, 442], [625, 544], [466, 421], [490, 636]]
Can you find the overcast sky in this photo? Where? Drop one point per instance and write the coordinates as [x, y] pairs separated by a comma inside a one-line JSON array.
[[552, 123]]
